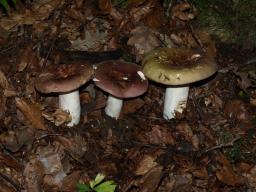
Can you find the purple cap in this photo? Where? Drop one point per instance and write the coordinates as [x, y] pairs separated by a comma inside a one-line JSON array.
[[64, 78], [120, 79]]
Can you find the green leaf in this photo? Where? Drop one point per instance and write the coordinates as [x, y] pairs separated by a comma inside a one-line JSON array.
[[14, 2], [4, 3], [82, 187], [107, 186], [98, 179]]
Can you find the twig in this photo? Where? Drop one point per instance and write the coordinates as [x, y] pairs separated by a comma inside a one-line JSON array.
[[223, 145], [197, 39], [7, 179], [47, 135]]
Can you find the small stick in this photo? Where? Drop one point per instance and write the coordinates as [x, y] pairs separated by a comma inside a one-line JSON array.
[[7, 179], [223, 145], [197, 39]]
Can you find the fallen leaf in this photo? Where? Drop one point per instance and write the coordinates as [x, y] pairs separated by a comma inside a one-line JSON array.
[[6, 188], [184, 11], [95, 36], [27, 57], [33, 174], [9, 161], [59, 117], [144, 40], [69, 182], [225, 172], [76, 146], [159, 135], [131, 106], [155, 18], [140, 11], [236, 109], [31, 112], [150, 181], [146, 163], [14, 140]]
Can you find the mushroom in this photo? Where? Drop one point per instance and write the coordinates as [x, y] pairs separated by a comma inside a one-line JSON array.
[[65, 80], [121, 80], [177, 68]]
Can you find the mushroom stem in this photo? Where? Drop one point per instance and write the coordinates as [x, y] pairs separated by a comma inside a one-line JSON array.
[[175, 100], [114, 106], [70, 102]]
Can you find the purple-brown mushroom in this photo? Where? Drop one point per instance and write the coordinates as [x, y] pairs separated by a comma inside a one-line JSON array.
[[121, 80], [65, 80]]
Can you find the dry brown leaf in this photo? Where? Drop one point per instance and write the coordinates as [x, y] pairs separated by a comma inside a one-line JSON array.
[[3, 36], [15, 140], [38, 11], [76, 14], [144, 40], [6, 188], [5, 87], [137, 13], [76, 146], [244, 82], [59, 117], [133, 105], [236, 109], [42, 9], [253, 98], [95, 36], [150, 181], [70, 181], [155, 19], [146, 163], [79, 3], [225, 172], [185, 130], [2, 106], [27, 57], [183, 11], [33, 174], [16, 19], [158, 135], [105, 5], [9, 161], [251, 178], [201, 173], [31, 112]]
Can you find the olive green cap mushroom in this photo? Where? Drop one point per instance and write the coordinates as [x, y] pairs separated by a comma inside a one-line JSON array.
[[177, 66]]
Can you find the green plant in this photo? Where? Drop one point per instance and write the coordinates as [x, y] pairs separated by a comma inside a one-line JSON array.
[[97, 185], [5, 4], [120, 3], [241, 148]]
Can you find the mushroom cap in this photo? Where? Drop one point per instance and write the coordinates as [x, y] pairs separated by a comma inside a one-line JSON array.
[[120, 79], [64, 78], [178, 66]]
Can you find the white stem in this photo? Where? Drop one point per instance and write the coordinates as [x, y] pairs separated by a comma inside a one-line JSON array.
[[70, 102], [114, 106], [175, 100]]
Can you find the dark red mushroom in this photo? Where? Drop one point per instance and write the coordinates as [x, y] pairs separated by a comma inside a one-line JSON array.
[[121, 80], [65, 80]]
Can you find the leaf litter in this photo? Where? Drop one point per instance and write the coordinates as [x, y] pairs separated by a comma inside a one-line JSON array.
[[209, 146]]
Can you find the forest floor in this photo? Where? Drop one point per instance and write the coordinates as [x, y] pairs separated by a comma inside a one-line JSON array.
[[209, 147]]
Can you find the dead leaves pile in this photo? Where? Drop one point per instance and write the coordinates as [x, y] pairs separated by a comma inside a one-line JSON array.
[[141, 151]]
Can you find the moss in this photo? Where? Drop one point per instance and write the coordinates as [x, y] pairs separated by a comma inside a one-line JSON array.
[[240, 151], [231, 21]]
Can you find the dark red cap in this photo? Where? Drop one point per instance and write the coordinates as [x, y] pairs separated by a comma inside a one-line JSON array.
[[64, 78], [120, 79]]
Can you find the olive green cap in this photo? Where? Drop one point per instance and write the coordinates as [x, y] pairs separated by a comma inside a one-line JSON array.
[[177, 66]]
